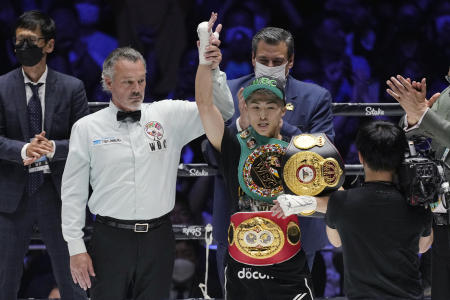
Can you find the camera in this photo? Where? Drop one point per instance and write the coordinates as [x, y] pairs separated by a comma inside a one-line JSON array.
[[422, 177]]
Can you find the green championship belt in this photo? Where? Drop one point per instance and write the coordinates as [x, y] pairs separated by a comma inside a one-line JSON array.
[[312, 165], [259, 170]]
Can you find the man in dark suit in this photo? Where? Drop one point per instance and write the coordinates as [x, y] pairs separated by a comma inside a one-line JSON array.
[[308, 109], [37, 109]]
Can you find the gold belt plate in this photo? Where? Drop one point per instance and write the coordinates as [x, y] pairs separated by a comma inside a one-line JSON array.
[[308, 173], [259, 238]]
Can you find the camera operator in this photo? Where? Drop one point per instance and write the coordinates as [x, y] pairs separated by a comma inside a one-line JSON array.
[[430, 118], [380, 233]]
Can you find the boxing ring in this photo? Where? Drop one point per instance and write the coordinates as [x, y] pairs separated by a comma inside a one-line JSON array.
[[204, 233], [198, 232]]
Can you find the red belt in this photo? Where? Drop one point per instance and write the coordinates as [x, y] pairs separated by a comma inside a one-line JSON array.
[[259, 239]]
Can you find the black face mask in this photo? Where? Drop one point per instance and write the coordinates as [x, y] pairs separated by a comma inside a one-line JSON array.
[[28, 54]]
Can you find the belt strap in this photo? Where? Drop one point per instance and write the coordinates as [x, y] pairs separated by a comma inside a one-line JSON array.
[[139, 226]]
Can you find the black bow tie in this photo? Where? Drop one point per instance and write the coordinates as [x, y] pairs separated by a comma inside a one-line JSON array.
[[133, 115]]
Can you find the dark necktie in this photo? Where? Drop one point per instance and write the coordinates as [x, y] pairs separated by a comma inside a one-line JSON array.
[[35, 179], [133, 115]]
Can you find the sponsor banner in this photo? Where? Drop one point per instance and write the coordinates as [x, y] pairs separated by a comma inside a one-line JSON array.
[[189, 232]]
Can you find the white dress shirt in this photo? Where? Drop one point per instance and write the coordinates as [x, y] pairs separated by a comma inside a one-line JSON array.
[[406, 127], [131, 166]]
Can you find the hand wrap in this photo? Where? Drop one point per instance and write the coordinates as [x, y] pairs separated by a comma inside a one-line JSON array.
[[293, 204], [203, 36]]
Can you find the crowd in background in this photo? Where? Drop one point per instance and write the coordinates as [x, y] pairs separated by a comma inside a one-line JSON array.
[[350, 47]]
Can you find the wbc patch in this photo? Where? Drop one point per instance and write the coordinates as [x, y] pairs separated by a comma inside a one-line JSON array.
[[154, 131]]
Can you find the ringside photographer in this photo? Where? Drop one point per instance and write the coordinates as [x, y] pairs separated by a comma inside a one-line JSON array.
[[380, 233], [430, 118]]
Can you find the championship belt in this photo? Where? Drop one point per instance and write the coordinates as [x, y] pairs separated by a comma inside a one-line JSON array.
[[312, 165], [259, 170], [260, 239]]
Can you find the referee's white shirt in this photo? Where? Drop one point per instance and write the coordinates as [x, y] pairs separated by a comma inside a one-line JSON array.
[[131, 166]]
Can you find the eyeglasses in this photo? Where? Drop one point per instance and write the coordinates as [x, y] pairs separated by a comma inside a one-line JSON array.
[[447, 77], [31, 39]]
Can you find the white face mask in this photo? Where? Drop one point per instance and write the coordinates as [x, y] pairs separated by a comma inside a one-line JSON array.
[[278, 72], [183, 269]]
